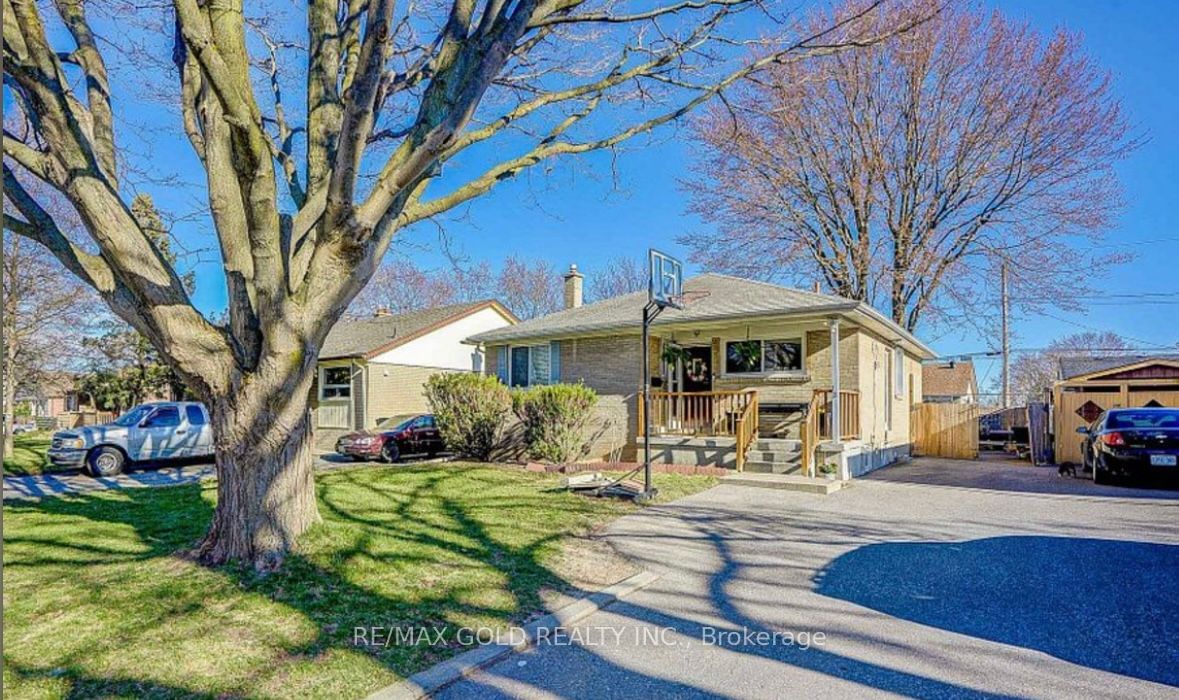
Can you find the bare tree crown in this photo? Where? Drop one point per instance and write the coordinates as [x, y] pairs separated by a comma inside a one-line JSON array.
[[304, 209], [902, 173]]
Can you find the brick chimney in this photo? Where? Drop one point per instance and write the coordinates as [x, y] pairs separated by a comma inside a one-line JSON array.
[[573, 284]]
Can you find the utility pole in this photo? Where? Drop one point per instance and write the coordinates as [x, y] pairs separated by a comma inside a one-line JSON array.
[[1006, 303]]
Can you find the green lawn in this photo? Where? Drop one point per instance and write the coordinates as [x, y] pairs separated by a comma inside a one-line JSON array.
[[97, 604], [28, 454]]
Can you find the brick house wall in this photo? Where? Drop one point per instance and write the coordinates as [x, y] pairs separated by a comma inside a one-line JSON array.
[[611, 366]]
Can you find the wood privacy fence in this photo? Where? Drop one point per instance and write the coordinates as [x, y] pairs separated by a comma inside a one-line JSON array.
[[945, 430]]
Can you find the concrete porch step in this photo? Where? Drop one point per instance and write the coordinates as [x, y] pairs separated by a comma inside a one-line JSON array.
[[773, 467], [777, 445], [773, 456], [784, 482]]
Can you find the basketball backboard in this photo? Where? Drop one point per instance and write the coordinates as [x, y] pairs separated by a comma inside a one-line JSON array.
[[666, 279]]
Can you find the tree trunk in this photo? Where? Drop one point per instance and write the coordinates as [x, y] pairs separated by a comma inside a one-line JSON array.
[[9, 399], [265, 471]]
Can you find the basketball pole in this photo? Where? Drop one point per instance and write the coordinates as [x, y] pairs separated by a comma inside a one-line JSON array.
[[650, 311]]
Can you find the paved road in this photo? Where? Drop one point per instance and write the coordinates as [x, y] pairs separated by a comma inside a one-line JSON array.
[[933, 579], [73, 482]]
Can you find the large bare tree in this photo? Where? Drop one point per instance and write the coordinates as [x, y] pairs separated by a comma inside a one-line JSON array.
[[304, 202], [903, 174], [620, 275], [1032, 373], [45, 309]]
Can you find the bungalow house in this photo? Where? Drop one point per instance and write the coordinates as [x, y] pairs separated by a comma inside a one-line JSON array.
[[949, 382], [51, 396], [742, 376], [375, 368]]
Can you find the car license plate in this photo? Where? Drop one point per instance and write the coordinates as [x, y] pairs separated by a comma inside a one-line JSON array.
[[1163, 460]]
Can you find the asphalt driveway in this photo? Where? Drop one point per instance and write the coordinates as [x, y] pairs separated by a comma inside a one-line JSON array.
[[953, 580]]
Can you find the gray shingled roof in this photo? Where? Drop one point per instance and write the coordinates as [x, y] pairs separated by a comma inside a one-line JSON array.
[[712, 297], [359, 337], [1076, 366]]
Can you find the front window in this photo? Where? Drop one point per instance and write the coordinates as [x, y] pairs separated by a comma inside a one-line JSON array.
[[898, 368], [530, 365], [756, 356], [133, 417], [336, 383], [520, 364]]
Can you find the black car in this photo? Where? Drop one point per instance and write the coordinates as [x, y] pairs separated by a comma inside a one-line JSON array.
[[394, 438], [1132, 442]]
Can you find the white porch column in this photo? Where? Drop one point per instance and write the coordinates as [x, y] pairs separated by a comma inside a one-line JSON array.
[[836, 437]]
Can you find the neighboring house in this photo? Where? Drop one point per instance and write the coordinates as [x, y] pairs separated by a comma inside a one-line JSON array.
[[54, 395], [949, 382], [374, 368], [740, 355], [1086, 386]]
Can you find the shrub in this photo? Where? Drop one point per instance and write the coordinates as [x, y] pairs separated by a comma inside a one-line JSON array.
[[554, 419], [471, 411]]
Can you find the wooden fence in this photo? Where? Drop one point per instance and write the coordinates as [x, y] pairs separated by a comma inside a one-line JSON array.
[[78, 419], [945, 430]]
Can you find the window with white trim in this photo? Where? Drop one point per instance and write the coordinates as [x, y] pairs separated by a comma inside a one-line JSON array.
[[898, 369], [335, 383], [532, 365], [763, 356]]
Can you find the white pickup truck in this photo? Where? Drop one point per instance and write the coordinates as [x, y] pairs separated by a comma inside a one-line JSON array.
[[150, 432]]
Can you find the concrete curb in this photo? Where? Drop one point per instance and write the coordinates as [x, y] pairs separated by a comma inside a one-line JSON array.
[[441, 675]]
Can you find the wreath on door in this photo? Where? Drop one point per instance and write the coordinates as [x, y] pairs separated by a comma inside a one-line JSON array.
[[696, 370]]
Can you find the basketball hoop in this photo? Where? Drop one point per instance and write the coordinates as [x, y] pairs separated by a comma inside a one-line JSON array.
[[687, 298], [665, 282]]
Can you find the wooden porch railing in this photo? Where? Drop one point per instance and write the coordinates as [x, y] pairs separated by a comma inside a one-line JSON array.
[[746, 430], [697, 412], [849, 414], [711, 413], [809, 434], [817, 425]]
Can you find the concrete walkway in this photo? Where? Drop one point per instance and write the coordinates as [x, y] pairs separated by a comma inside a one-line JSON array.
[[892, 587]]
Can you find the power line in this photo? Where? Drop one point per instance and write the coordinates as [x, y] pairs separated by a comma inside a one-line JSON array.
[[1099, 330], [997, 354], [1125, 244]]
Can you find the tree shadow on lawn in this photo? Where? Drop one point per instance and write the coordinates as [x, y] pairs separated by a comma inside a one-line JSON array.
[[1111, 605], [426, 546]]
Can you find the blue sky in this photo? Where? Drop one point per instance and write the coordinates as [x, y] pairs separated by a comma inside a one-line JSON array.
[[595, 208], [587, 220]]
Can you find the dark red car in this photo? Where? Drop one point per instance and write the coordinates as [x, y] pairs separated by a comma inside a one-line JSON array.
[[394, 438]]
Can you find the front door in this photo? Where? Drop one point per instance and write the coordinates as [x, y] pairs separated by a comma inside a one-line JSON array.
[[698, 369], [696, 412]]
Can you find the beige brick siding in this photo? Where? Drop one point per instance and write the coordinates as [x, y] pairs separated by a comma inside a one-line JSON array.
[[397, 389], [873, 382], [613, 368]]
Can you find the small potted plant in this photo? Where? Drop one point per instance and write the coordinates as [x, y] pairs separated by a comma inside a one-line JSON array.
[[829, 469]]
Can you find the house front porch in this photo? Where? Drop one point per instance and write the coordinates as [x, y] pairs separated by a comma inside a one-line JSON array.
[[733, 428]]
